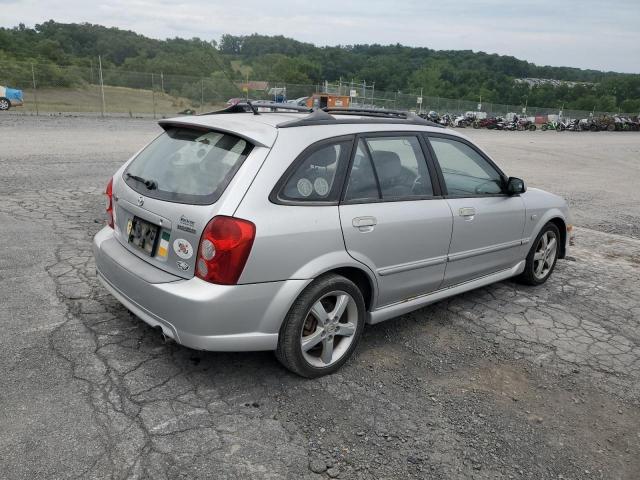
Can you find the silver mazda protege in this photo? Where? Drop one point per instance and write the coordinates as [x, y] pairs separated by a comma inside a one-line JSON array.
[[273, 227]]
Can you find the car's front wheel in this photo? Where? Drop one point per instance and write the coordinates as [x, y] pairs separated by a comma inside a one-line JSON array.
[[5, 104], [542, 257], [322, 328]]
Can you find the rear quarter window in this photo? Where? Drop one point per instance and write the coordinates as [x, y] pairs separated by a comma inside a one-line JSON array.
[[316, 176], [187, 165]]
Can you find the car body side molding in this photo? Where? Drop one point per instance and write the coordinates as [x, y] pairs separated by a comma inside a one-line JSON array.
[[400, 308]]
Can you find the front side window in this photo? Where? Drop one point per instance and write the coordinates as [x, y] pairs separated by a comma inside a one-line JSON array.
[[464, 170], [187, 166], [316, 178], [389, 168]]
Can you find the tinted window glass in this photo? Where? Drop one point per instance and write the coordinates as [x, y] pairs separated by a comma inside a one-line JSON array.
[[400, 167], [188, 166], [315, 178], [362, 180], [465, 171]]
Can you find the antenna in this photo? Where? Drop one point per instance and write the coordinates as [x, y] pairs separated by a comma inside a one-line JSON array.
[[252, 107]]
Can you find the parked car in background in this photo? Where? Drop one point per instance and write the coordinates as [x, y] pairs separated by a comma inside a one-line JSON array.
[[300, 101], [10, 97], [233, 101], [291, 230]]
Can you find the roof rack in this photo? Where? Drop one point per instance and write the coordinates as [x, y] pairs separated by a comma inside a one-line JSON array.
[[365, 115], [252, 106], [323, 116]]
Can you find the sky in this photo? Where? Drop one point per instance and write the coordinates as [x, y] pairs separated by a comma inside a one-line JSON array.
[[597, 34]]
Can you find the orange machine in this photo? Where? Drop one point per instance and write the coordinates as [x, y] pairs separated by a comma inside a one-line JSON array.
[[322, 100]]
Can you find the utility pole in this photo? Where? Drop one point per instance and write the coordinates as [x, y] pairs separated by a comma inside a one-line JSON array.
[[373, 91], [202, 94], [35, 91], [101, 84], [153, 96]]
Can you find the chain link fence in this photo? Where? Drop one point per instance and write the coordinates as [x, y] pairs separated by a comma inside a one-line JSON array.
[[92, 90]]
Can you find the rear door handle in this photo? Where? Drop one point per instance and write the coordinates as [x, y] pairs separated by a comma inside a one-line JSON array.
[[467, 212], [364, 224]]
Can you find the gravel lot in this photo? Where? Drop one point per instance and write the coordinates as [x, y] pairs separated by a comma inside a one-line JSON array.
[[503, 382]]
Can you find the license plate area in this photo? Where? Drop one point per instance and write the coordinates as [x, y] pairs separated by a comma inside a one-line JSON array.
[[143, 235]]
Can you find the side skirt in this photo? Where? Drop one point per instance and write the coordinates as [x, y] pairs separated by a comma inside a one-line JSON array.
[[400, 308]]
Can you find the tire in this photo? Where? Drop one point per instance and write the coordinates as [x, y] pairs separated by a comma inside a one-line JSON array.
[[5, 104], [594, 128], [611, 127], [544, 127], [311, 313], [476, 125], [532, 128], [533, 273]]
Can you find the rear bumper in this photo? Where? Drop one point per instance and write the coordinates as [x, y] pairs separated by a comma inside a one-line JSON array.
[[193, 312]]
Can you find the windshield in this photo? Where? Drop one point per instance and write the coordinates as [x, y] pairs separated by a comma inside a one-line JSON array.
[[187, 166]]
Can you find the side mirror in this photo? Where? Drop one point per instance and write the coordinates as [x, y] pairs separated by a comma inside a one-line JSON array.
[[516, 186]]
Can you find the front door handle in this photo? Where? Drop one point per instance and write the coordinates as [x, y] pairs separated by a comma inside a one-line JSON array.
[[364, 224], [467, 212]]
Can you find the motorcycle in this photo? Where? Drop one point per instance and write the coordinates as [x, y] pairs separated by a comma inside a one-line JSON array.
[[491, 123], [461, 121], [589, 124], [525, 124], [607, 123], [573, 126], [446, 121], [511, 126], [558, 126]]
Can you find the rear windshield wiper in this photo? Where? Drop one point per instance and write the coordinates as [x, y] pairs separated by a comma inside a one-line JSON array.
[[150, 184]]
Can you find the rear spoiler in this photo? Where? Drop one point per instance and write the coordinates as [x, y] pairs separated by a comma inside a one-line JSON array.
[[205, 128]]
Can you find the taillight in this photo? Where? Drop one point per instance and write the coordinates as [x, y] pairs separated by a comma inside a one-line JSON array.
[[224, 248], [109, 193]]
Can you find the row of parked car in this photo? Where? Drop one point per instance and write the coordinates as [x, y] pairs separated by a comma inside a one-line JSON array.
[[609, 123]]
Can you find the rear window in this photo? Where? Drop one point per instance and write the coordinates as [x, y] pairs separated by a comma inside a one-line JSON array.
[[187, 166]]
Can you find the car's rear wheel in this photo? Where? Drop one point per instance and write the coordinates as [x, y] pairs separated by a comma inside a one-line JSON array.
[[542, 257], [322, 328], [5, 104]]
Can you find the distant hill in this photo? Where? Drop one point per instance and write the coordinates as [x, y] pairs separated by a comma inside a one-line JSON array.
[[462, 74]]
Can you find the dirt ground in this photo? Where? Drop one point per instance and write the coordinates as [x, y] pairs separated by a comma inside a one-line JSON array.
[[504, 382]]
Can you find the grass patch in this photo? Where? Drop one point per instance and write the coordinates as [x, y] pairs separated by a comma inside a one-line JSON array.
[[117, 100]]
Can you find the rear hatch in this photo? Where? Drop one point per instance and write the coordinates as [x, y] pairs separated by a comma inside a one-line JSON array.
[[167, 194]]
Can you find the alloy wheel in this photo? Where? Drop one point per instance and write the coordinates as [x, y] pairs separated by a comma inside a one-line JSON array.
[[329, 329], [545, 254]]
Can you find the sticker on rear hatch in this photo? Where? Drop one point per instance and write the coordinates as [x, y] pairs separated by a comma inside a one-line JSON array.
[[186, 225], [183, 248], [163, 248]]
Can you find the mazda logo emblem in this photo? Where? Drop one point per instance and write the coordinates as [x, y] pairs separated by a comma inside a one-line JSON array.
[[140, 200]]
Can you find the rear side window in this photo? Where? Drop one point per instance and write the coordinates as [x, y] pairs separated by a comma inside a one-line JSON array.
[[317, 177], [389, 168], [363, 184], [187, 166]]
